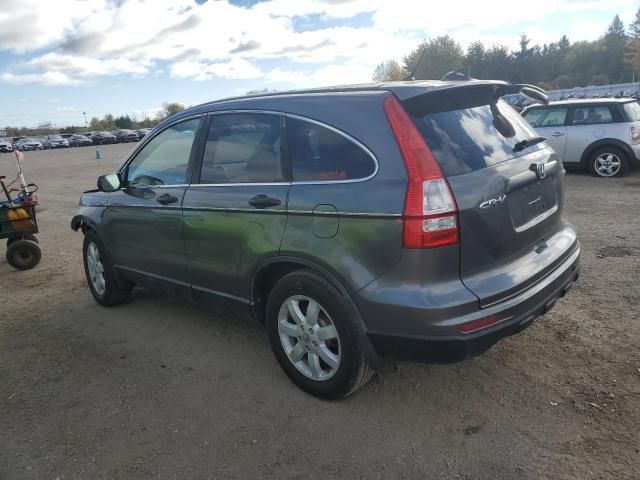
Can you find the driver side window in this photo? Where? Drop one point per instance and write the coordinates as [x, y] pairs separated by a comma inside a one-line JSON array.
[[164, 160]]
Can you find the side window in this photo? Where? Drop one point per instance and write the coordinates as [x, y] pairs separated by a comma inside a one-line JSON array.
[[546, 117], [243, 148], [320, 154], [589, 115], [164, 160]]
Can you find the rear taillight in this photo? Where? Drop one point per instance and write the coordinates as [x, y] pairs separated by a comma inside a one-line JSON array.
[[634, 134], [430, 216]]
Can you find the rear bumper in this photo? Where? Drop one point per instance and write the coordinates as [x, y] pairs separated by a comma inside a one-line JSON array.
[[517, 314]]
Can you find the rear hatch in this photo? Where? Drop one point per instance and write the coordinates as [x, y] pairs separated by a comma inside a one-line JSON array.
[[509, 193]]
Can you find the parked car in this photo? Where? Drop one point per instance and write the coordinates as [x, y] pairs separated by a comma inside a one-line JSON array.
[[5, 145], [103, 138], [602, 135], [67, 136], [28, 143], [54, 141], [142, 132], [79, 141], [124, 135], [281, 206]]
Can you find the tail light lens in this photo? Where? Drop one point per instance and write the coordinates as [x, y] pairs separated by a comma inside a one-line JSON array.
[[634, 134], [430, 216]]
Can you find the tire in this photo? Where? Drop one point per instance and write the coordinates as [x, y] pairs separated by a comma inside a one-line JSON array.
[[348, 348], [608, 162], [106, 290], [25, 236], [24, 254]]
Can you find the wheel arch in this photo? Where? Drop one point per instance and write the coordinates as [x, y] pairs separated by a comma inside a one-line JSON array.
[[269, 271], [605, 142]]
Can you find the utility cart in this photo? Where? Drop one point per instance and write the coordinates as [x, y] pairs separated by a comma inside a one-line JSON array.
[[18, 222]]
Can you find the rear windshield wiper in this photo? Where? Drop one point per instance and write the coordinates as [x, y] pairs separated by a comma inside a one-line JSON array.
[[522, 144]]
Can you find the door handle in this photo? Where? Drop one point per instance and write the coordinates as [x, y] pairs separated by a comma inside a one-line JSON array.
[[557, 134], [166, 199], [263, 201]]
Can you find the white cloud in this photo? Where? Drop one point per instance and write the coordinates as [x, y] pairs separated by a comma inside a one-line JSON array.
[[66, 109], [54, 100], [50, 79], [235, 69], [82, 39]]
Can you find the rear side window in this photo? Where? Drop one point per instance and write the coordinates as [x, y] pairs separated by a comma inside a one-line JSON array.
[[466, 140], [590, 115], [632, 111], [546, 117], [243, 148], [318, 153]]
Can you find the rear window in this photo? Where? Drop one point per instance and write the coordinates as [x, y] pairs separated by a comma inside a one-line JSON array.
[[632, 110], [470, 139]]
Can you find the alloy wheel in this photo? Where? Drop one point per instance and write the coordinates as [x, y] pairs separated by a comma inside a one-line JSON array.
[[309, 337]]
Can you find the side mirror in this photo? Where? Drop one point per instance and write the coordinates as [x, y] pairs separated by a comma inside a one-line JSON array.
[[109, 183]]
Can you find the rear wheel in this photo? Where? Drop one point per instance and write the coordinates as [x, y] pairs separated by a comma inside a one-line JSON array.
[[609, 162], [100, 274], [23, 254], [316, 336]]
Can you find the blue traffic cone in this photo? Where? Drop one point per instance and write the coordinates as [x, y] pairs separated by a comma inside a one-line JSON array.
[[97, 153]]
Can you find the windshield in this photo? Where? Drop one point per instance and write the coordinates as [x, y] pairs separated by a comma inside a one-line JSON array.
[[469, 139], [55, 137]]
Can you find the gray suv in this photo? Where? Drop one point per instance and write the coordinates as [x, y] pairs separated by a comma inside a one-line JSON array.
[[415, 220], [602, 135]]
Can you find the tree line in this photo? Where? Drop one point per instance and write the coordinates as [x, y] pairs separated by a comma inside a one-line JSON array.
[[107, 122], [612, 58]]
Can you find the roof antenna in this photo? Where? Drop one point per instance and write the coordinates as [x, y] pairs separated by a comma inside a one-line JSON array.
[[411, 77]]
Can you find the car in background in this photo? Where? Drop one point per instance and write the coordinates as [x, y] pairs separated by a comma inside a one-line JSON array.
[[103, 138], [142, 132], [78, 140], [283, 205], [54, 141], [602, 135], [5, 145], [28, 143], [67, 136], [124, 135]]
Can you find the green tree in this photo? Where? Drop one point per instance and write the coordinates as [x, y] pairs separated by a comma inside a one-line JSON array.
[[441, 55], [388, 71], [632, 56], [614, 49], [172, 108], [124, 121], [476, 60]]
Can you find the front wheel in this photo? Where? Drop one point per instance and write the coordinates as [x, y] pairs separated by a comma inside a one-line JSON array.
[[609, 162], [100, 274], [316, 336]]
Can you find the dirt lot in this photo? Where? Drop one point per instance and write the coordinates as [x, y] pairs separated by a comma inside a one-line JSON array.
[[158, 389]]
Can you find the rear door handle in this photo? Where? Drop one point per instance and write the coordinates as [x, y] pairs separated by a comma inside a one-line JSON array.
[[264, 201], [166, 199], [557, 134]]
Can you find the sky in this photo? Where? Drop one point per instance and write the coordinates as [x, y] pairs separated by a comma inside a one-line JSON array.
[[60, 58]]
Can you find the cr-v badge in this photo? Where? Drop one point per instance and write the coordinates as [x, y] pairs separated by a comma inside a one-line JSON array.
[[492, 202]]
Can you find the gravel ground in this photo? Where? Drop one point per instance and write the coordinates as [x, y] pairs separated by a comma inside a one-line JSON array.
[[159, 389]]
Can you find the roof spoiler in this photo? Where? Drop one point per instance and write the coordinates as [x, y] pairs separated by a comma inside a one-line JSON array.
[[533, 93]]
